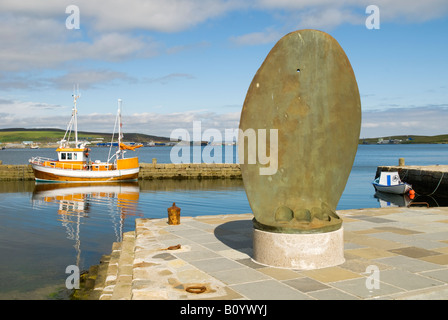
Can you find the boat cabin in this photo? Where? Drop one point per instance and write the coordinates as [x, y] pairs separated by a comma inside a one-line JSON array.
[[72, 155], [389, 178]]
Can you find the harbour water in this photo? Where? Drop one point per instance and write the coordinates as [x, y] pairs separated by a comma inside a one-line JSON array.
[[45, 228]]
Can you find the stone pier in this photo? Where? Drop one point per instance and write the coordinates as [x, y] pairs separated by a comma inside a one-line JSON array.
[[393, 254]]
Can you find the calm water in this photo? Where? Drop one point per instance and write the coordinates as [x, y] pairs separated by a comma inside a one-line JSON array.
[[44, 228]]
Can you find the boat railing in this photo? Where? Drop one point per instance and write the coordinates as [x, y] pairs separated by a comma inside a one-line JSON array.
[[40, 160], [48, 162]]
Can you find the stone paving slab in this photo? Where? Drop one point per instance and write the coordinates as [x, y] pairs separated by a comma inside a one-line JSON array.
[[407, 246]]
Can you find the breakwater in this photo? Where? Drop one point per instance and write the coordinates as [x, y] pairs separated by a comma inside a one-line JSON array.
[[148, 171], [425, 180], [13, 172]]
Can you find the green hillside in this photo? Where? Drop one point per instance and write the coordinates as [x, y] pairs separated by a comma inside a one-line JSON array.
[[409, 139], [17, 135]]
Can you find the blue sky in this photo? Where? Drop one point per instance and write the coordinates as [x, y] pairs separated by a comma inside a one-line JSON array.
[[178, 61]]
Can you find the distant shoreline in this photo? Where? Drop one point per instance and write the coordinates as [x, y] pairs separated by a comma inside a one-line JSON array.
[[48, 137], [408, 139]]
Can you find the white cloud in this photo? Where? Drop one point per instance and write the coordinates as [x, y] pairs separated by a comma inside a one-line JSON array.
[[35, 44], [171, 77], [87, 79], [327, 14], [118, 15], [421, 120], [28, 114], [328, 18], [34, 35], [255, 38], [391, 10]]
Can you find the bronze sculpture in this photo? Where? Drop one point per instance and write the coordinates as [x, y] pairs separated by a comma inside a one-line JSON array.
[[306, 89]]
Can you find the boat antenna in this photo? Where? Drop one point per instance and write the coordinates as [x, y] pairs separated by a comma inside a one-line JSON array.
[[73, 121], [76, 96], [117, 119], [120, 134]]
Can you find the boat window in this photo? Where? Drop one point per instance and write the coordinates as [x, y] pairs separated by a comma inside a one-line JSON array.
[[75, 156], [69, 156], [63, 156]]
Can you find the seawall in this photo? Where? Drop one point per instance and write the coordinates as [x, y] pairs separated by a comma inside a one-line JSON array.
[[148, 171], [189, 171], [425, 180], [13, 172]]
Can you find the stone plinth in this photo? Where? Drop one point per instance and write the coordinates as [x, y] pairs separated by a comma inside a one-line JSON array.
[[299, 251]]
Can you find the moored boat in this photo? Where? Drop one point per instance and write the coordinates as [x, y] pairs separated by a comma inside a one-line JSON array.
[[390, 182], [73, 163]]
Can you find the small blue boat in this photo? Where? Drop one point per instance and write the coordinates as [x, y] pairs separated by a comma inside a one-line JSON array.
[[390, 182]]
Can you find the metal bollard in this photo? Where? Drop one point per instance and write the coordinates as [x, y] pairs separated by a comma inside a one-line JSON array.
[[174, 215]]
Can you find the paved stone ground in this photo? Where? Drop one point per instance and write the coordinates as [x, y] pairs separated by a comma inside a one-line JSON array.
[[408, 246]]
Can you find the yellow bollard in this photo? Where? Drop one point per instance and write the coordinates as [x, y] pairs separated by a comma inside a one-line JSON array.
[[174, 215], [401, 162]]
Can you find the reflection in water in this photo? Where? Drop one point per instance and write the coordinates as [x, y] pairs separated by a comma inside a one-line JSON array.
[[397, 200], [74, 202], [191, 184], [114, 203], [392, 200], [46, 227]]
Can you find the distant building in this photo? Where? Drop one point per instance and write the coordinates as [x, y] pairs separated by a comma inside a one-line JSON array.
[[27, 143]]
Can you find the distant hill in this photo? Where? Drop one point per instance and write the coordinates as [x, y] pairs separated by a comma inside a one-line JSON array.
[[408, 139], [50, 135]]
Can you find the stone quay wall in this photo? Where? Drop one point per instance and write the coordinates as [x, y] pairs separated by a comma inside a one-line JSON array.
[[189, 171], [14, 172], [148, 171]]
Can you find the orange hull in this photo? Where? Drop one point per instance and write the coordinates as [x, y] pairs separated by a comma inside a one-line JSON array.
[[46, 176]]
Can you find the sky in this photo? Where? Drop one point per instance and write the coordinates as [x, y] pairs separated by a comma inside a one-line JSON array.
[[173, 62]]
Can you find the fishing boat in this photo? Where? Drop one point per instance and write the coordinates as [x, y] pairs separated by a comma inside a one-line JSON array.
[[74, 165], [390, 182]]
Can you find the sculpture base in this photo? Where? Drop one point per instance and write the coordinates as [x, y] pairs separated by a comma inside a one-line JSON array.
[[299, 251]]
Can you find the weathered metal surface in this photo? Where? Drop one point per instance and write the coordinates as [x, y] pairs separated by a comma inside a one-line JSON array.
[[307, 90], [174, 215]]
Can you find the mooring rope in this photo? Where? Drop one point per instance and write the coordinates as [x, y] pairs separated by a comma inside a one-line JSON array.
[[440, 181]]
